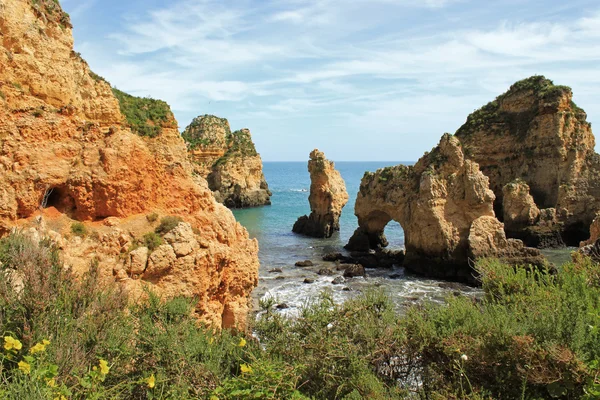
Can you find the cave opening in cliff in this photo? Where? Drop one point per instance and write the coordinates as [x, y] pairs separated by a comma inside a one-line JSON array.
[[59, 198]]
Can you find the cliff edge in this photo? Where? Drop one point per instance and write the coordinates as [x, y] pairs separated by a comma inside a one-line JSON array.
[[68, 143]]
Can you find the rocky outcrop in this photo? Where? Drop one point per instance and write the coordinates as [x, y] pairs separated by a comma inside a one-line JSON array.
[[594, 232], [536, 133], [228, 161], [445, 208], [327, 197], [67, 145], [524, 220]]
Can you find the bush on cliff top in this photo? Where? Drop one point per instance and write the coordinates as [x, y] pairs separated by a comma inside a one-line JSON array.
[[145, 116], [531, 336], [489, 115]]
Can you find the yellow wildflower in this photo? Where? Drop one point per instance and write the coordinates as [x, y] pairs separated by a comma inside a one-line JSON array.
[[25, 367], [213, 397], [45, 342], [38, 348], [246, 369], [211, 340], [104, 368], [151, 381], [242, 342], [12, 343], [51, 382], [61, 397]]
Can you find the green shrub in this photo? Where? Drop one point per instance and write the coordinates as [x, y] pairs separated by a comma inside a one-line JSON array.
[[167, 224], [152, 218], [78, 229], [152, 240], [146, 116], [530, 335]]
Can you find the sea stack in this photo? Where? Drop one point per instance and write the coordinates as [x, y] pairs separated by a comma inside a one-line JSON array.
[[536, 140], [228, 161], [327, 197], [83, 157], [445, 207]]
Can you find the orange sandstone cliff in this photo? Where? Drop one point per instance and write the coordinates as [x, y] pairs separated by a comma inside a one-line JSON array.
[[65, 145]]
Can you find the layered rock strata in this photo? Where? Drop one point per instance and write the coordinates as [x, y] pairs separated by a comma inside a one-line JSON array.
[[445, 207], [65, 145], [327, 197], [228, 161], [536, 133]]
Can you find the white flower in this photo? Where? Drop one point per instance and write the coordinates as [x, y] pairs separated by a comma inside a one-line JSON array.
[[464, 357]]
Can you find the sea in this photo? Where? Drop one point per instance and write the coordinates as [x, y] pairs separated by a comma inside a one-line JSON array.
[[280, 248]]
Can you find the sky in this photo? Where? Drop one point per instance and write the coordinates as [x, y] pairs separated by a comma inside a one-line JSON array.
[[362, 80]]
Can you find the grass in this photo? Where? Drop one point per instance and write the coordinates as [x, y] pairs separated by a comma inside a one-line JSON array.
[[152, 240], [78, 229], [531, 336], [146, 116], [167, 224]]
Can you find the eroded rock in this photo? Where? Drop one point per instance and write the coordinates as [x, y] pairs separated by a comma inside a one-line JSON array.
[[535, 132], [327, 197], [68, 150], [436, 202], [228, 161]]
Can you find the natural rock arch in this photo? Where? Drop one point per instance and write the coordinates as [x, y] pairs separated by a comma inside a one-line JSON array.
[[436, 201]]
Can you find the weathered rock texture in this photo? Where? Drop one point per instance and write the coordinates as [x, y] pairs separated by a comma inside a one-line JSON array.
[[445, 208], [536, 133], [65, 144], [327, 197], [228, 161], [594, 232]]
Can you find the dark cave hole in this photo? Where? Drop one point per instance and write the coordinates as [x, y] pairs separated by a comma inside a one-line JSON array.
[[58, 198]]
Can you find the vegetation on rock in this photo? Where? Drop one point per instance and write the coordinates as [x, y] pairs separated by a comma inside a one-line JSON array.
[[531, 336], [544, 89], [52, 12], [167, 224], [145, 116]]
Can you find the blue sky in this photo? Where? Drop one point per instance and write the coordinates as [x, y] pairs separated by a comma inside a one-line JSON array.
[[358, 79]]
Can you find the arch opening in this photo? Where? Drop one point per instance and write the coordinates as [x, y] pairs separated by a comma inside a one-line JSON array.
[[394, 235]]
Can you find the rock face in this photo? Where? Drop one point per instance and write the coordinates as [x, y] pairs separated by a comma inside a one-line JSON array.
[[327, 197], [65, 144], [228, 161], [445, 208], [536, 133], [594, 232]]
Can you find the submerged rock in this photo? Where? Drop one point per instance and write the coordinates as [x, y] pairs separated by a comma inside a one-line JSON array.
[[228, 161], [327, 197], [338, 280], [354, 270], [305, 263], [536, 133]]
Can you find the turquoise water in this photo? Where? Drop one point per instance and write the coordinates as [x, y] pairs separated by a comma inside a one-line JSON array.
[[290, 184], [280, 248]]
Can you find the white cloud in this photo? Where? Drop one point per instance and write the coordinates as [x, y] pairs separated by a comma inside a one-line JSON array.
[[392, 65]]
